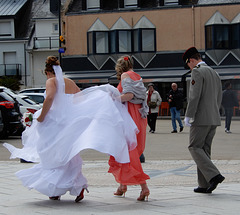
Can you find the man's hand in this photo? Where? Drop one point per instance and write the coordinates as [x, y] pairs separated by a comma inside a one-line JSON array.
[[186, 121]]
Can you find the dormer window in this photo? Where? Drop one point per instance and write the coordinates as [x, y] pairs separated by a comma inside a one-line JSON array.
[[121, 37], [98, 38], [217, 37], [144, 36], [217, 32], [235, 32], [6, 29]]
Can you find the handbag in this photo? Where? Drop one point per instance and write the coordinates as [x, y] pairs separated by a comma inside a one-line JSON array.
[[152, 104]]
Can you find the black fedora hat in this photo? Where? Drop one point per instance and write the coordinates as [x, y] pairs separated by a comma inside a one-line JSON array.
[[187, 55]]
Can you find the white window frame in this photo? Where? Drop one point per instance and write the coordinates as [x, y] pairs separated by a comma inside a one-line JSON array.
[[54, 30], [93, 4], [9, 28], [102, 42], [130, 3]]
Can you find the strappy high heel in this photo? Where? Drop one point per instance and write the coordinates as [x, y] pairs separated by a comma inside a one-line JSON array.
[[81, 195], [143, 195], [121, 191], [54, 197]]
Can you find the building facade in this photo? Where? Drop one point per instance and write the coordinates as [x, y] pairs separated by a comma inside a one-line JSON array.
[[13, 38], [155, 33]]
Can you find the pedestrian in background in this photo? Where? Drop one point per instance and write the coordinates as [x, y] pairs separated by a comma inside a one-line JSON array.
[[154, 101], [175, 99], [203, 117], [229, 100]]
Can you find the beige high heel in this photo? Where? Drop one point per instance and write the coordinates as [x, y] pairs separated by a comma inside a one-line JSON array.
[[143, 195], [121, 191]]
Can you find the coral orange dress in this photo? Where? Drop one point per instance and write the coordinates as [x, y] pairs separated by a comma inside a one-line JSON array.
[[132, 173]]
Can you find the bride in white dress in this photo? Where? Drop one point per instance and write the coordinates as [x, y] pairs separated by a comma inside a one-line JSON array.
[[69, 122]]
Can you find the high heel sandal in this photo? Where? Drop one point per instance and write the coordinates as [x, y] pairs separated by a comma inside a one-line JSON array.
[[121, 191], [143, 195], [54, 197], [81, 195]]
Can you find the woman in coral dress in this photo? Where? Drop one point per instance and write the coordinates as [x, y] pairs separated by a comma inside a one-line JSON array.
[[133, 93]]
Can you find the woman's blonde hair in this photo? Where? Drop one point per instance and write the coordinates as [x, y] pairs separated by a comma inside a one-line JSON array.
[[124, 64], [51, 61]]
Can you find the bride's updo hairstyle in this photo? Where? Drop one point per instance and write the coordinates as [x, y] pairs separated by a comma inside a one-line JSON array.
[[124, 64], [51, 61]]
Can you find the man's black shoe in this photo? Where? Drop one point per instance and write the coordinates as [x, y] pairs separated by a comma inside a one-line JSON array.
[[181, 129], [174, 131], [214, 182], [142, 158], [201, 190]]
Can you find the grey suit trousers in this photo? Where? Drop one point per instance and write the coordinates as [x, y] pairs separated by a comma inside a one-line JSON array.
[[200, 148]]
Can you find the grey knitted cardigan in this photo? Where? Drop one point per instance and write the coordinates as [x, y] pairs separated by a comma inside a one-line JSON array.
[[138, 89]]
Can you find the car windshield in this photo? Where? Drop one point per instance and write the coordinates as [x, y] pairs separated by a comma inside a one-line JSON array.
[[42, 90], [29, 101], [6, 97], [36, 98], [10, 92]]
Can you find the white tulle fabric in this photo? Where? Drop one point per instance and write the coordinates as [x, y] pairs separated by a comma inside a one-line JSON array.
[[91, 119]]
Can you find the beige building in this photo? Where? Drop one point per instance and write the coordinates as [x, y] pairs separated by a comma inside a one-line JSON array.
[[155, 33]]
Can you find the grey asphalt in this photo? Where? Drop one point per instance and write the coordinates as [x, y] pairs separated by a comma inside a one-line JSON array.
[[168, 163]]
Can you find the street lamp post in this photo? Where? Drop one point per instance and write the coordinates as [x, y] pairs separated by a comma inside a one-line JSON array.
[[59, 28]]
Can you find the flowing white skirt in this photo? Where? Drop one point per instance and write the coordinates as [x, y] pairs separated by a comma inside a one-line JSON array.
[[91, 119]]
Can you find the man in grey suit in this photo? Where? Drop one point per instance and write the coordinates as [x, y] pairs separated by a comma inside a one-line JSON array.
[[203, 117]]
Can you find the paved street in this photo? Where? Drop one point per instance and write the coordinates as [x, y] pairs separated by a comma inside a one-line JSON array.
[[172, 172]]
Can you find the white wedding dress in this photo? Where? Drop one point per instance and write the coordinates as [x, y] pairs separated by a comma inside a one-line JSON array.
[[91, 119]]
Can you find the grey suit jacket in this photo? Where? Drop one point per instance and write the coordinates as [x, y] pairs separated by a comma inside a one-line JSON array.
[[205, 96]]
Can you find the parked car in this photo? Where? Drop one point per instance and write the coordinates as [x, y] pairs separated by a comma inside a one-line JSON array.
[[25, 103], [33, 90], [1, 122], [11, 115], [37, 97]]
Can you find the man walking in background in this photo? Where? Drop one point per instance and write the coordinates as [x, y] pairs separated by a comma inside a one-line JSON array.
[[229, 100], [203, 117], [175, 99]]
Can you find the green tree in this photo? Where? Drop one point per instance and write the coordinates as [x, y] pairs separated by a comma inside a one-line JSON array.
[[12, 82]]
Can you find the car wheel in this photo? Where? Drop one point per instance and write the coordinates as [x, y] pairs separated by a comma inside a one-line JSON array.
[[4, 133]]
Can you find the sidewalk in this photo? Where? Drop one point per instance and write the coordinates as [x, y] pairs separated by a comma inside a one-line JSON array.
[[171, 187], [171, 184]]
